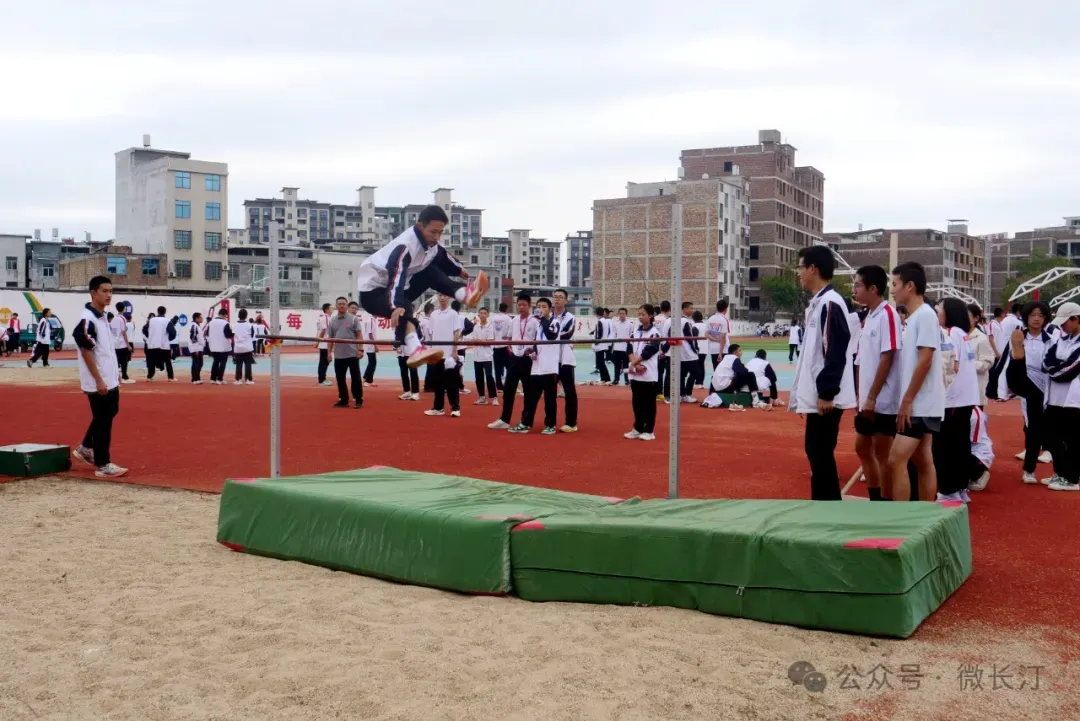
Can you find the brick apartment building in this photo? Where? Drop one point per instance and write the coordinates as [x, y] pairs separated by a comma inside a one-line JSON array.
[[786, 205], [1061, 240], [952, 257], [127, 270]]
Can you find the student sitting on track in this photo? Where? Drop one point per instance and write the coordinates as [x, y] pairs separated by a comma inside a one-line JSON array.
[[765, 376], [731, 376]]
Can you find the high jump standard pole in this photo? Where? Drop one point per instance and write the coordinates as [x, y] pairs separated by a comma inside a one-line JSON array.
[[275, 362], [674, 360]]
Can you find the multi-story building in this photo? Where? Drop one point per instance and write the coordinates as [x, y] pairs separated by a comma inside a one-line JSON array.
[[168, 203], [127, 270], [44, 258], [951, 257], [1061, 240], [786, 204], [632, 243], [14, 254], [579, 260], [298, 276]]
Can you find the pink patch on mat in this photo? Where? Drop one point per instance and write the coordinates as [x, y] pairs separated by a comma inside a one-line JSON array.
[[376, 468], [232, 546], [951, 504], [242, 480], [516, 516], [529, 526], [613, 499], [875, 543]]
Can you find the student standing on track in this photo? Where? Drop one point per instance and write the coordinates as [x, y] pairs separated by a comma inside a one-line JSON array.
[[824, 379], [545, 374], [662, 321], [702, 328], [565, 324], [410, 378], [922, 389], [998, 388], [121, 342], [99, 379], [623, 328], [370, 326], [1062, 363], [402, 271], [1031, 383], [794, 340], [718, 331], [483, 358], [243, 348], [600, 349], [42, 341], [500, 354], [322, 324], [525, 326], [346, 326], [158, 341], [879, 378], [196, 347], [445, 328], [984, 352], [688, 353], [644, 374], [219, 340], [961, 398]]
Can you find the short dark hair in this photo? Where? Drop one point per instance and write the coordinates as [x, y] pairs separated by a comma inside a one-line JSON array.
[[1015, 308], [821, 257], [109, 315], [98, 280], [722, 305], [325, 307], [648, 308], [598, 311], [222, 311], [161, 310], [352, 303], [998, 311], [956, 315], [242, 315], [733, 347], [431, 214], [120, 306], [687, 304], [698, 317], [911, 272], [623, 310], [341, 297], [503, 307], [1037, 305], [665, 306], [428, 307], [761, 353], [563, 291], [545, 301], [902, 310], [874, 276], [195, 316], [455, 305], [523, 296]]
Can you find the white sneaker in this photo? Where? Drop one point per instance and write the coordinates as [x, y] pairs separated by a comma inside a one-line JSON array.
[[424, 356], [632, 435], [405, 396], [434, 412], [759, 405], [110, 470], [480, 402], [128, 381], [689, 399], [238, 383], [964, 495], [1020, 456], [415, 397], [326, 383], [1045, 457], [455, 414], [1052, 479], [249, 383], [498, 425], [1029, 479], [494, 401], [979, 484], [646, 437], [1064, 485], [84, 455], [475, 289], [560, 394], [949, 497], [171, 380], [736, 408]]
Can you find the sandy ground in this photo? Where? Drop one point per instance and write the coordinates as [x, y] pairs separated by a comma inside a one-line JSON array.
[[13, 370], [116, 603]]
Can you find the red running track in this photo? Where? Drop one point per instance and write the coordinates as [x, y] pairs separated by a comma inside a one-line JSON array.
[[1025, 538]]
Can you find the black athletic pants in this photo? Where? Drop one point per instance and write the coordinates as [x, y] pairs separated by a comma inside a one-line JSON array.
[[745, 378], [501, 359], [952, 447], [103, 408], [369, 371], [621, 362], [196, 366], [701, 369], [664, 372], [446, 386], [1018, 382], [793, 352], [41, 350], [518, 372], [352, 367], [546, 386], [324, 363], [1063, 441], [217, 369], [156, 358], [123, 357], [820, 442], [484, 372], [377, 302], [643, 398], [568, 380], [689, 372], [410, 377], [601, 365]]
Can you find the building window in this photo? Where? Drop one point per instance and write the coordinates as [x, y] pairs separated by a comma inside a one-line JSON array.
[[283, 273], [753, 252], [307, 300], [301, 212], [258, 273], [755, 303], [182, 268], [183, 209], [212, 270], [753, 274], [213, 211], [213, 183], [150, 266], [258, 299], [213, 241], [182, 239], [183, 180], [307, 273], [116, 266], [283, 298], [12, 263], [234, 271], [48, 271]]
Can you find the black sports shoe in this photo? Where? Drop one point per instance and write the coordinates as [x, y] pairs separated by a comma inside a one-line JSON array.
[[358, 404], [341, 404]]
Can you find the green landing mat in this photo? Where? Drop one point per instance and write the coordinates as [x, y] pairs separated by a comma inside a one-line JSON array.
[[434, 530], [870, 568]]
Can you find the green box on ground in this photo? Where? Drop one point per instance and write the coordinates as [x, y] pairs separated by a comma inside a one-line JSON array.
[[34, 459], [871, 568], [432, 530]]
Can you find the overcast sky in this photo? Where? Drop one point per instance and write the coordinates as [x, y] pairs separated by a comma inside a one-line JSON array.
[[915, 114]]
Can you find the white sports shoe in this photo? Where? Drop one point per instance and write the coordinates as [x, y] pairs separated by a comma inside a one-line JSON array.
[[1029, 479], [110, 470], [646, 437], [632, 435], [1021, 455], [455, 414], [980, 483], [84, 455], [1064, 485], [1045, 457], [434, 412], [405, 396], [415, 397], [498, 425]]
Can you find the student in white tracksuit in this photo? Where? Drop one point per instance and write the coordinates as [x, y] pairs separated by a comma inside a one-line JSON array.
[[42, 341], [196, 347], [243, 348], [544, 373], [566, 324], [219, 336], [644, 375]]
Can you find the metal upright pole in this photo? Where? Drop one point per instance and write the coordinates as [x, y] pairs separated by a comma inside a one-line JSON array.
[[275, 362], [675, 364]]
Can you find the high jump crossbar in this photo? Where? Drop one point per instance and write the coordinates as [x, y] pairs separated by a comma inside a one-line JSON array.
[[470, 343]]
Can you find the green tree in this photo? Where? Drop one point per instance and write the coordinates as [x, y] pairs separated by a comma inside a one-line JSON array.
[[1038, 264], [783, 291]]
